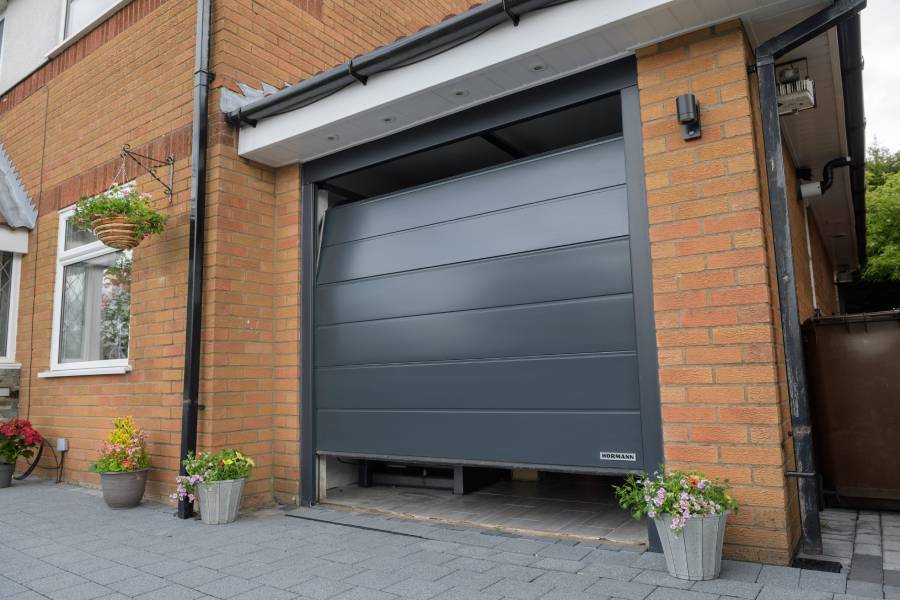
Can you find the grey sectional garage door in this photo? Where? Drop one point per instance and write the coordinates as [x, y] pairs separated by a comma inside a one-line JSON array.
[[486, 318]]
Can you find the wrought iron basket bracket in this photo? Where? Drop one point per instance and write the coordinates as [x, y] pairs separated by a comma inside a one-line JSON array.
[[151, 165]]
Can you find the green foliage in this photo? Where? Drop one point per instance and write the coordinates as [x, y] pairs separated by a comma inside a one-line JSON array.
[[120, 201], [880, 163], [205, 467], [883, 230], [678, 494], [125, 449]]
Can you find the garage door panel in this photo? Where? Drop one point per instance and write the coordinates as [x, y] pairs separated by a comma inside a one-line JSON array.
[[572, 327], [560, 222], [578, 170], [589, 382], [508, 437], [597, 269]]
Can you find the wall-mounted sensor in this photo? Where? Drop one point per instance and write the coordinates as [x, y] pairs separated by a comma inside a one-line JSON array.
[[688, 111]]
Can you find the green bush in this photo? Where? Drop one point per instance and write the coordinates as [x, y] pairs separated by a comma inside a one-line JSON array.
[[120, 201]]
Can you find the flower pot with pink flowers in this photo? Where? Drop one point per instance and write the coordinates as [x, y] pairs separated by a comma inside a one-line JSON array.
[[123, 464], [689, 512], [17, 439]]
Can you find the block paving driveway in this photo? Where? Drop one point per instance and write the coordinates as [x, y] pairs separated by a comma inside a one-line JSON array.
[[61, 542]]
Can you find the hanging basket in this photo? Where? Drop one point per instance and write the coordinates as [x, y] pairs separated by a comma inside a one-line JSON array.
[[116, 232]]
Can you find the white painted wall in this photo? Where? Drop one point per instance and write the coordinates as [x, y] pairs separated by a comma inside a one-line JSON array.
[[31, 29]]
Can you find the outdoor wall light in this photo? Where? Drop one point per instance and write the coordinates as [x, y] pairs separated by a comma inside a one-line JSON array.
[[689, 116]]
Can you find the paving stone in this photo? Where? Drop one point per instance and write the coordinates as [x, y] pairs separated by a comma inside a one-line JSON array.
[[673, 594], [265, 593], [522, 546], [866, 568], [283, 578], [559, 564], [774, 592], [364, 594], [662, 579], [513, 558], [227, 586], [620, 572], [621, 589], [520, 590], [823, 582], [564, 551], [463, 594], [56, 582], [783, 577], [655, 561], [417, 589], [172, 591], [83, 591], [739, 570], [566, 581], [892, 592], [892, 578], [319, 588], [866, 589], [113, 574], [28, 595], [479, 565], [570, 595], [728, 587], [469, 580], [376, 580], [516, 572]]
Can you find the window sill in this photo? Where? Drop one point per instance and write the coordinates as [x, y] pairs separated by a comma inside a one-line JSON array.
[[86, 29], [88, 371], [10, 365]]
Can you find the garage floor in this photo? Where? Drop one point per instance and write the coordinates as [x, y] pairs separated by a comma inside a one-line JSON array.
[[576, 509]]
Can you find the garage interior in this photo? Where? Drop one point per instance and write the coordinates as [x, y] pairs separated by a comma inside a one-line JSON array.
[[372, 465]]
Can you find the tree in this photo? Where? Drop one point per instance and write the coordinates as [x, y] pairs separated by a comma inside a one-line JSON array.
[[880, 163], [883, 228]]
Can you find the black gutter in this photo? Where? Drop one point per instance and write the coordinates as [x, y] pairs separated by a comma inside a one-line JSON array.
[[190, 405], [850, 50], [766, 55], [419, 46]]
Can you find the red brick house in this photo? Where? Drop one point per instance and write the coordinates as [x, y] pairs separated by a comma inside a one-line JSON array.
[[488, 240]]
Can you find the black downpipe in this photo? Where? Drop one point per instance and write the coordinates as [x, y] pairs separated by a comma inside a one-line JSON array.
[[190, 406], [766, 55]]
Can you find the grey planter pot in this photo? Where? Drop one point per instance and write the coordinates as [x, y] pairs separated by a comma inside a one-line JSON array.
[[123, 490], [697, 553], [6, 473], [220, 500]]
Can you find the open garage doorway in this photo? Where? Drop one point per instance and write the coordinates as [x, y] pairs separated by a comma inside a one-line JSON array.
[[578, 507], [483, 343]]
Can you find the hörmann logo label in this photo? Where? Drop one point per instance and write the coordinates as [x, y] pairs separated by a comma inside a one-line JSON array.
[[627, 456]]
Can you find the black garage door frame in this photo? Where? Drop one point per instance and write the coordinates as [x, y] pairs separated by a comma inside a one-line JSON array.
[[619, 77]]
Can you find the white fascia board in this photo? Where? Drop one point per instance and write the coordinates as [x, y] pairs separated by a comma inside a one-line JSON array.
[[13, 240], [504, 43]]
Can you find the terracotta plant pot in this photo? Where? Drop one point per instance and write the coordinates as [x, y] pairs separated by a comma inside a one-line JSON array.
[[116, 232], [124, 490], [220, 500], [6, 473]]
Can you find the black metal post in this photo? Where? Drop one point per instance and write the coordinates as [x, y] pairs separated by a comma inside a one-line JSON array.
[[191, 391], [801, 427]]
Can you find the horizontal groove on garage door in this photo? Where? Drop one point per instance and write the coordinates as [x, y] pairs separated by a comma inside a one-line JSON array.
[[570, 327], [582, 271], [581, 169], [474, 435], [559, 222], [580, 382]]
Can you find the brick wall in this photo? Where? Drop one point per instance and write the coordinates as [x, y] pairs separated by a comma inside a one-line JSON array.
[[713, 294], [130, 81]]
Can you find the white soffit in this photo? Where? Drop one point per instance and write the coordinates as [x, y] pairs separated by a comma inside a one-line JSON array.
[[562, 39]]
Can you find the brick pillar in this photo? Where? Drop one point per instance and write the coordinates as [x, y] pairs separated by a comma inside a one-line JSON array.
[[713, 298]]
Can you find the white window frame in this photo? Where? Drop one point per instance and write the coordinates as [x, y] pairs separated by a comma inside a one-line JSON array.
[[70, 37], [65, 258], [9, 360]]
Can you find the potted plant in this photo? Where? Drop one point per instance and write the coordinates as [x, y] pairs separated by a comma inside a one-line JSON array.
[[17, 438], [689, 511], [123, 464], [120, 217], [217, 480]]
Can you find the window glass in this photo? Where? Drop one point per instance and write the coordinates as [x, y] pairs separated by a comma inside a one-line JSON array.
[[96, 308], [82, 12], [1, 38], [6, 272], [77, 237]]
